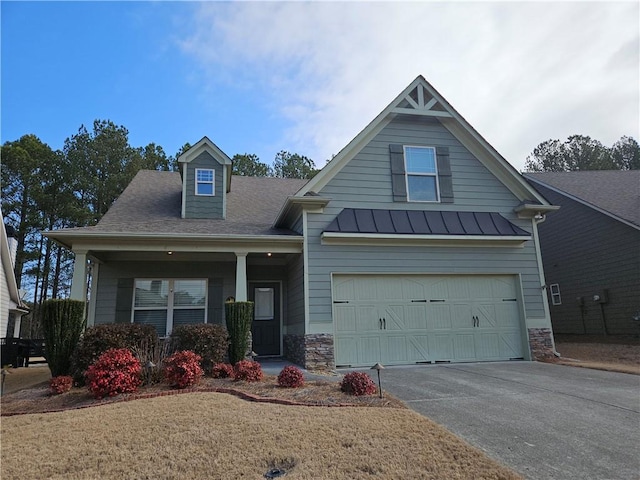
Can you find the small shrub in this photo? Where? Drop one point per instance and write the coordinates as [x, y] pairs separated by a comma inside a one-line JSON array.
[[208, 340], [100, 338], [154, 351], [60, 384], [248, 370], [222, 370], [116, 371], [358, 383], [182, 369], [291, 377]]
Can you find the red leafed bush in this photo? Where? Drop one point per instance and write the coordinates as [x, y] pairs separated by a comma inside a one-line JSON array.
[[248, 371], [291, 377], [116, 371], [182, 369], [60, 384], [358, 383], [222, 370]]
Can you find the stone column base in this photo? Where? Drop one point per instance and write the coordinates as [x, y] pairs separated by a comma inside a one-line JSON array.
[[541, 344], [313, 352]]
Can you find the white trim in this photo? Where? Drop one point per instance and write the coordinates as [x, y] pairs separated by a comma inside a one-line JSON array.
[[212, 182], [545, 300], [554, 294], [224, 191], [434, 175], [183, 213], [583, 202], [206, 145], [305, 272], [95, 271], [336, 238], [241, 276]]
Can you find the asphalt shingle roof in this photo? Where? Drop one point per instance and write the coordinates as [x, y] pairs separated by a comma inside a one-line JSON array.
[[152, 204], [615, 191]]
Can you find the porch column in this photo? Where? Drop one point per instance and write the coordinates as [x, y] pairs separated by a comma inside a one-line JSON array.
[[79, 279], [241, 276]]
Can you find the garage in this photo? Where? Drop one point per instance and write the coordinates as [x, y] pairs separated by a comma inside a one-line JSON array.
[[404, 319]]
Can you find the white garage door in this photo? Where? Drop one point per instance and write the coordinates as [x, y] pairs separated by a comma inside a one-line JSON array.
[[411, 319]]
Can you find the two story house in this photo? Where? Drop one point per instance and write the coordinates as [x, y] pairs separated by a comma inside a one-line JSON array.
[[417, 243]]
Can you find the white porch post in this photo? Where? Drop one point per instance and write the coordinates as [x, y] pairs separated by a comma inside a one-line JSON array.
[[79, 280], [241, 276]]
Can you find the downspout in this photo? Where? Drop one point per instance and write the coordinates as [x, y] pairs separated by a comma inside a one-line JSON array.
[[537, 220]]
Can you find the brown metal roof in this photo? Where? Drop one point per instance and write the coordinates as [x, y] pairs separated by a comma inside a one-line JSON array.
[[417, 222]]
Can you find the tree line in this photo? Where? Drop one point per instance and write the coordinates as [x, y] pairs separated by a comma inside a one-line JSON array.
[[45, 189]]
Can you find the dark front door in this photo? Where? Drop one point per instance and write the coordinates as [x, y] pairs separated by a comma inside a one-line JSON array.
[[266, 317]]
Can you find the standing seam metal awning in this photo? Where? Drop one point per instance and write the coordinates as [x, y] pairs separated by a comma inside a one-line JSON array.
[[418, 222]]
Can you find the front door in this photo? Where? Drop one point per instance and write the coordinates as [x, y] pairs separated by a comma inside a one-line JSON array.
[[265, 328]]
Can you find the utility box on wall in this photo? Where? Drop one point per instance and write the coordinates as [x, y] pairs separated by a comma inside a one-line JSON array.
[[601, 297]]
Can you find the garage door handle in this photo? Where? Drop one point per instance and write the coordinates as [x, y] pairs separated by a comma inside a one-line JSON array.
[[384, 323], [380, 320], [476, 321]]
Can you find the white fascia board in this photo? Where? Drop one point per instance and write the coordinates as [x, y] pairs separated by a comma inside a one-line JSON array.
[[335, 238], [530, 210], [7, 266], [583, 202], [183, 209], [312, 204], [183, 243], [205, 145]]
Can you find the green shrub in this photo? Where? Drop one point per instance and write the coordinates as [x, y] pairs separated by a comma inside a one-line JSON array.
[[239, 316], [210, 341], [97, 340], [62, 325]]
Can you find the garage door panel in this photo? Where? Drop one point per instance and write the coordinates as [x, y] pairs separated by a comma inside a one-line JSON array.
[[416, 317], [345, 318], [472, 318], [369, 350]]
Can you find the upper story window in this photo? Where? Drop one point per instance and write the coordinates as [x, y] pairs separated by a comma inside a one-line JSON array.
[[556, 299], [421, 171], [204, 182]]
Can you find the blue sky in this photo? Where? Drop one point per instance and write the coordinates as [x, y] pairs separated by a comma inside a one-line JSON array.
[[307, 77]]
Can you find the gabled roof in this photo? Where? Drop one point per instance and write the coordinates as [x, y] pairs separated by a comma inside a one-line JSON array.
[[206, 145], [7, 266], [151, 205], [421, 98], [613, 192]]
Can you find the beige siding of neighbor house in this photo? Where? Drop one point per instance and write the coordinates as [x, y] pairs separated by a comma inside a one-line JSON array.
[[365, 182]]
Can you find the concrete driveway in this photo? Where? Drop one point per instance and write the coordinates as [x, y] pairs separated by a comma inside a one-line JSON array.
[[544, 421]]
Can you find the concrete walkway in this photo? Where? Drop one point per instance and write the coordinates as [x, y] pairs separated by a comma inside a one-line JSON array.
[[544, 421]]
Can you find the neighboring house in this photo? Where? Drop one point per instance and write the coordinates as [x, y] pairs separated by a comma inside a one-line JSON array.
[[417, 243], [12, 308], [591, 250]]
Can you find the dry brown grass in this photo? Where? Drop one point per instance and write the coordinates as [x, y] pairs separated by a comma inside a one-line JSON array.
[[617, 354], [212, 435]]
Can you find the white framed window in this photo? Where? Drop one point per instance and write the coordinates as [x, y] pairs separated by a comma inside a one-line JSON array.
[[166, 303], [205, 182], [421, 170], [556, 299]]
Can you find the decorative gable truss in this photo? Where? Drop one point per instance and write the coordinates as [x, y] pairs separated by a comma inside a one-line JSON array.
[[420, 102]]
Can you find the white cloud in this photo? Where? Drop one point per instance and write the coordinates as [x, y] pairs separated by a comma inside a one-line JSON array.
[[520, 73]]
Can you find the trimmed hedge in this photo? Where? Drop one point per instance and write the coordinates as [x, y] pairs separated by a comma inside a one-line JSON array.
[[239, 316], [100, 338], [208, 340], [62, 325]]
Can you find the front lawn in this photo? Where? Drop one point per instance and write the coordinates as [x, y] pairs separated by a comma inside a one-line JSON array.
[[219, 436]]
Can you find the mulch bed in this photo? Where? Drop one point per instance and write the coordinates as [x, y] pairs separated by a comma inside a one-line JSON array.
[[313, 393]]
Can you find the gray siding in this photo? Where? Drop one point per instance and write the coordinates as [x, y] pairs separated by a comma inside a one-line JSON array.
[[204, 206], [294, 322], [585, 252], [365, 182]]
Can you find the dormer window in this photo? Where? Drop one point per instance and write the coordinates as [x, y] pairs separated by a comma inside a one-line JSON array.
[[205, 182]]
